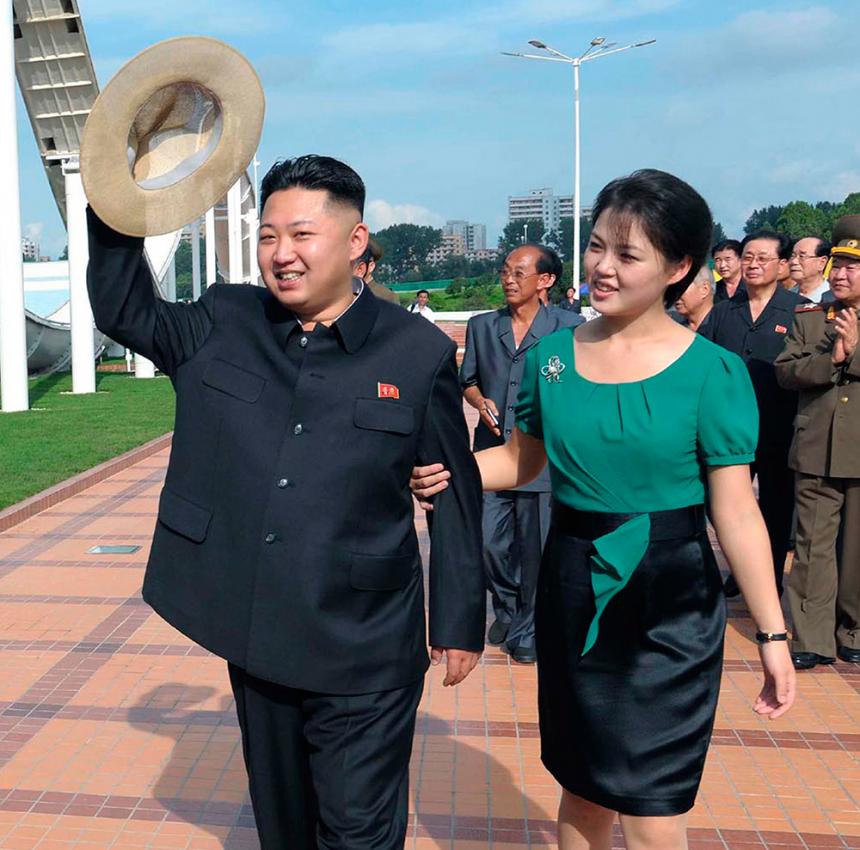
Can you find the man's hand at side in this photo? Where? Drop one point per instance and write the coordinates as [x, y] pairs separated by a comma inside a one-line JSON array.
[[461, 662]]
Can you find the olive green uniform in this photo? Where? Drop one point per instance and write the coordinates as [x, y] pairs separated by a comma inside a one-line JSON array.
[[823, 590]]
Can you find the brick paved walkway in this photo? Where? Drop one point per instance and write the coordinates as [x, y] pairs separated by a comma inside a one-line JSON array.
[[117, 732]]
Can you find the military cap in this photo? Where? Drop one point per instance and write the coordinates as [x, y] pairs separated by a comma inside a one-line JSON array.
[[846, 237]]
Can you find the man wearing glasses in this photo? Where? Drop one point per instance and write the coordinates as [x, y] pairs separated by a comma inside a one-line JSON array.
[[515, 522], [821, 361], [806, 266], [754, 324]]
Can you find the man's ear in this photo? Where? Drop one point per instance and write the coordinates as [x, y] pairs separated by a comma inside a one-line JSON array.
[[358, 238], [550, 278]]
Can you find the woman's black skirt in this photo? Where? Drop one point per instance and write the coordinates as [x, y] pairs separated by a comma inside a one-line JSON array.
[[627, 726]]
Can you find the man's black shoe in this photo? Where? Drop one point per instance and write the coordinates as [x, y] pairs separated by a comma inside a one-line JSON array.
[[524, 656], [730, 588], [498, 633], [852, 656], [808, 660]]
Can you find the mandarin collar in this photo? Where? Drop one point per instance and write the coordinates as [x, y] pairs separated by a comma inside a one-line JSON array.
[[351, 328]]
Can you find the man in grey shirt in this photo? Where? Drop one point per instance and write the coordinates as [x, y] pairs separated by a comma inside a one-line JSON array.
[[515, 522]]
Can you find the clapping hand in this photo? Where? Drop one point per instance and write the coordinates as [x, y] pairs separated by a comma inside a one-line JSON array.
[[846, 335]]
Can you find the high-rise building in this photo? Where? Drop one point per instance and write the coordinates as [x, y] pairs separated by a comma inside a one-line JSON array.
[[29, 249], [473, 236], [544, 205]]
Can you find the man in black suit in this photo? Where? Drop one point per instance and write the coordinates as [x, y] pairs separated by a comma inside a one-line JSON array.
[[754, 324], [285, 540], [516, 522]]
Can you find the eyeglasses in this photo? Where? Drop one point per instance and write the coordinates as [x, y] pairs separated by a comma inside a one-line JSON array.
[[803, 257], [761, 259], [518, 275]]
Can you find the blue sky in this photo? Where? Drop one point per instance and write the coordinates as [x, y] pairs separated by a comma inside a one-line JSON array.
[[753, 102]]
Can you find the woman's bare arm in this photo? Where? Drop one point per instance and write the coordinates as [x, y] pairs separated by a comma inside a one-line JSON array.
[[744, 540], [517, 462]]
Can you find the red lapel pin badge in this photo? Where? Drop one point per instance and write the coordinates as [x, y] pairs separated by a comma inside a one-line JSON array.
[[781, 329], [387, 391]]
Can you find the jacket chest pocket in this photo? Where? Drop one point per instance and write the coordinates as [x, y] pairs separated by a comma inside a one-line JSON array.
[[374, 414], [234, 381]]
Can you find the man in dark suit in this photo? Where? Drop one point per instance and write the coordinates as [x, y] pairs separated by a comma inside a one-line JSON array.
[[727, 264], [754, 324], [515, 522], [285, 540]]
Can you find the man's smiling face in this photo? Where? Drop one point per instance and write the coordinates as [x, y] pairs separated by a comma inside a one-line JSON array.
[[308, 244]]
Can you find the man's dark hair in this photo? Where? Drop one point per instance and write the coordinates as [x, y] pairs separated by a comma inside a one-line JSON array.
[[548, 262], [315, 172], [674, 216], [424, 291], [783, 241], [823, 248], [727, 245]]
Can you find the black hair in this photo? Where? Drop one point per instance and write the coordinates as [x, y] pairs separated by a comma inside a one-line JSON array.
[[425, 291], [727, 245], [548, 262], [783, 241], [315, 172], [673, 215], [823, 248]]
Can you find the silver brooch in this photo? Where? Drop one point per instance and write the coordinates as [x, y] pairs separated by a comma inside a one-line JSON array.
[[553, 369]]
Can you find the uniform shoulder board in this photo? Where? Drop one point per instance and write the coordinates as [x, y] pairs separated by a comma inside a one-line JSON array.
[[811, 307]]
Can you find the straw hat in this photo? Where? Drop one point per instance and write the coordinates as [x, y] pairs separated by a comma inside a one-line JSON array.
[[169, 135]]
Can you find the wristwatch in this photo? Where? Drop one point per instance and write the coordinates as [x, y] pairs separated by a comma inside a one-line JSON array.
[[768, 637]]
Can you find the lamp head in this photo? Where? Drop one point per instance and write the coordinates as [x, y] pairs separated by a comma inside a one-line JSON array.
[[596, 42], [537, 43]]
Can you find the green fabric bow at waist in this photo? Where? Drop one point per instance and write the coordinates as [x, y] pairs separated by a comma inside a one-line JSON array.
[[616, 556]]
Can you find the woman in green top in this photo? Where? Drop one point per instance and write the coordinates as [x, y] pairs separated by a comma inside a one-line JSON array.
[[636, 414]]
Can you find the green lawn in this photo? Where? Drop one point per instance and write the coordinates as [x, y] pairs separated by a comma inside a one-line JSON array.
[[66, 434]]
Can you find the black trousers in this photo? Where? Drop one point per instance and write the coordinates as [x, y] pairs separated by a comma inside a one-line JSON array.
[[515, 527], [327, 772], [776, 502]]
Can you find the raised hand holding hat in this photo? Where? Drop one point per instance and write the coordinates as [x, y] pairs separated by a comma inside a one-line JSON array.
[[169, 135]]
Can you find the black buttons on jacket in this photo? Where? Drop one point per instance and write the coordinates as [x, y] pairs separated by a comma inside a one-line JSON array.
[[284, 482], [270, 538], [298, 429]]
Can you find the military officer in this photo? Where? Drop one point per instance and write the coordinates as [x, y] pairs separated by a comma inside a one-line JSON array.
[[821, 361], [754, 324]]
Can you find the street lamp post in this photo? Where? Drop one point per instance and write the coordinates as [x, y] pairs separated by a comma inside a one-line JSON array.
[[597, 49]]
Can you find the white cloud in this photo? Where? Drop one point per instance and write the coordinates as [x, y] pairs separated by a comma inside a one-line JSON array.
[[34, 230], [480, 28], [380, 214], [841, 184], [384, 39]]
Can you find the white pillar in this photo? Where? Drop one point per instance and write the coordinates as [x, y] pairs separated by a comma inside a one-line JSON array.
[[234, 231], [211, 271], [83, 352], [253, 234], [170, 280], [195, 259], [13, 332], [143, 368]]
